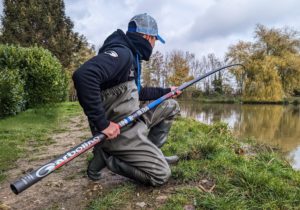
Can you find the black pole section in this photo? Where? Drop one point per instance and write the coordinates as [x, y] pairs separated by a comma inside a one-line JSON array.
[[36, 175], [187, 84]]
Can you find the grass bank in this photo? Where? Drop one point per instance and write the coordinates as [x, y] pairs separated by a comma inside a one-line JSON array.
[[228, 99], [237, 100], [215, 172], [31, 128], [214, 98]]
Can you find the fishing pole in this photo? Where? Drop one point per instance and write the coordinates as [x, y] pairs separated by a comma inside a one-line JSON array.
[[36, 175]]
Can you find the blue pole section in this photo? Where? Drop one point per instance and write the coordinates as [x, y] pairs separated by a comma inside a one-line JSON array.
[[36, 175]]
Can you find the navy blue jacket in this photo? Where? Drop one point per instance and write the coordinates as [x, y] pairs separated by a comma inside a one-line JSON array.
[[109, 68]]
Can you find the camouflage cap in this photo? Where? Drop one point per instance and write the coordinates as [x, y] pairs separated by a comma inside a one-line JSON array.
[[145, 24]]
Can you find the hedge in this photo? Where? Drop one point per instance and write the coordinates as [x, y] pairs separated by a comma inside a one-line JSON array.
[[29, 77], [11, 92]]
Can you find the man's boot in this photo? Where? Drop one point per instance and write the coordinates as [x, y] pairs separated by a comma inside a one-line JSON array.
[[96, 164], [122, 168], [172, 159]]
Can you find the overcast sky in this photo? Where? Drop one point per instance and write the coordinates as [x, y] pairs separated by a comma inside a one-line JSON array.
[[201, 27]]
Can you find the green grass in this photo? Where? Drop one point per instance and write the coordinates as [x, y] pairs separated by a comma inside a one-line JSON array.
[[257, 178], [31, 129], [117, 198], [181, 197], [214, 99], [262, 181], [238, 99]]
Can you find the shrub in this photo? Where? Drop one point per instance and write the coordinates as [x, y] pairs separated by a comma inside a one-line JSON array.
[[41, 74], [45, 80], [11, 92]]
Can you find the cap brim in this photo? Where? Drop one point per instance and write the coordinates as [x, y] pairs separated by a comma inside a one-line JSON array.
[[160, 39]]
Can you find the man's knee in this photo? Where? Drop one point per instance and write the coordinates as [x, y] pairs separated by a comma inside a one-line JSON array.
[[162, 178], [167, 175], [173, 107]]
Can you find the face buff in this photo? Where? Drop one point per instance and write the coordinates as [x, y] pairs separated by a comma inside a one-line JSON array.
[[143, 45]]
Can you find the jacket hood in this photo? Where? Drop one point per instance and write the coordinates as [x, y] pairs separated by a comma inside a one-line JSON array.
[[117, 38]]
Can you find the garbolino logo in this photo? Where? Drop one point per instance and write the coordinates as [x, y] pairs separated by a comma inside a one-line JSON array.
[[45, 170], [48, 168]]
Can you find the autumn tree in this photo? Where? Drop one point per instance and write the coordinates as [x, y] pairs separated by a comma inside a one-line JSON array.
[[174, 68], [179, 66], [272, 64]]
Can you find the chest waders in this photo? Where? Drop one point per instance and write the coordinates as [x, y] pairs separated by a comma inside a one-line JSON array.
[[135, 152]]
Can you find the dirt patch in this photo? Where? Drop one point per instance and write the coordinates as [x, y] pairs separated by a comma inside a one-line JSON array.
[[66, 188]]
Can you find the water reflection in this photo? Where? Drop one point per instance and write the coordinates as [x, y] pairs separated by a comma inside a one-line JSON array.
[[276, 125]]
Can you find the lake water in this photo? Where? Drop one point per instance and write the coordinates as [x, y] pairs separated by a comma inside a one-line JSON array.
[[276, 125]]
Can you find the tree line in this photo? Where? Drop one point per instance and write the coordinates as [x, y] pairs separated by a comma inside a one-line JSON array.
[[272, 64], [176, 67], [272, 60]]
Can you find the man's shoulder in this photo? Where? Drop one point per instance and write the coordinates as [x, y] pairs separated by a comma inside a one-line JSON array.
[[118, 51]]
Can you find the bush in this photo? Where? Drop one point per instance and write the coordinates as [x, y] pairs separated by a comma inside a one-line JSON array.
[[43, 76], [11, 92], [45, 80]]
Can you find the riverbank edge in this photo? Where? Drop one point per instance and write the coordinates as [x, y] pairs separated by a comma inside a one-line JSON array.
[[215, 171], [293, 101]]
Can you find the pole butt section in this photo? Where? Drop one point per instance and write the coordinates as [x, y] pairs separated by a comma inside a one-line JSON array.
[[15, 189], [24, 182]]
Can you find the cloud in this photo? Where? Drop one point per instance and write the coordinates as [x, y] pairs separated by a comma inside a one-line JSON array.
[[174, 17], [97, 19], [206, 26], [228, 17]]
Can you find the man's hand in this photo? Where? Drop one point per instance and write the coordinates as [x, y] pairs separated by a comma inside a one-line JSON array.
[[178, 92], [112, 131]]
